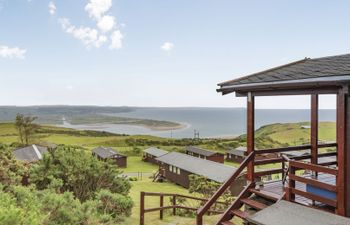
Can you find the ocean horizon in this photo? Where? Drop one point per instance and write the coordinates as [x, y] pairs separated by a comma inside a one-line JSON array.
[[208, 122]]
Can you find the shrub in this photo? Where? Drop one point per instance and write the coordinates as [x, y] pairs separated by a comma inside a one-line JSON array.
[[115, 205], [73, 170]]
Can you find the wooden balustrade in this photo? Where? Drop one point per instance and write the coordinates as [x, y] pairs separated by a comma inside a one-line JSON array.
[[173, 205], [293, 190], [205, 208]]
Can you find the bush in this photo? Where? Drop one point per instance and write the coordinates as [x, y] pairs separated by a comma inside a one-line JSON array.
[[73, 170], [116, 205]]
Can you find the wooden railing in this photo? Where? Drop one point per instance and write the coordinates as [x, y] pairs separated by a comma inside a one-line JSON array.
[[282, 160], [206, 207], [293, 190], [174, 204]]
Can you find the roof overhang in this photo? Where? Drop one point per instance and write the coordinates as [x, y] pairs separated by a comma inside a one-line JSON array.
[[322, 85]]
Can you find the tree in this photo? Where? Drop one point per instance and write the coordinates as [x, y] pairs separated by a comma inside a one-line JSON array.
[[74, 170], [207, 188], [12, 172], [26, 127]]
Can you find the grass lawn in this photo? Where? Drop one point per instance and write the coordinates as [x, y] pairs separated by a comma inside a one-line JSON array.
[[135, 164]]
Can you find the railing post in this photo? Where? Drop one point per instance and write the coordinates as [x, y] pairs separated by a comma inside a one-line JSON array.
[[283, 170], [161, 205], [250, 135], [291, 184], [174, 204], [314, 130], [199, 220], [342, 155], [142, 208]]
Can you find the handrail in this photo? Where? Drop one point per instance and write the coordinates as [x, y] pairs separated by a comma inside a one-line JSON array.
[[313, 167], [292, 189], [293, 148], [181, 196], [174, 206], [281, 159], [204, 209]]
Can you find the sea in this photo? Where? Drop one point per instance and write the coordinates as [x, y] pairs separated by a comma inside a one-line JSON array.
[[208, 122]]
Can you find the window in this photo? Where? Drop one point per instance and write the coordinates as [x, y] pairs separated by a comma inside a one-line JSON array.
[[178, 171], [170, 168]]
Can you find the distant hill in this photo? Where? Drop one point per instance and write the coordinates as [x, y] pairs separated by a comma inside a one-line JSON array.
[[55, 113]]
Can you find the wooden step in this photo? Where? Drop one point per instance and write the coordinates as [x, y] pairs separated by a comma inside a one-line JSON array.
[[265, 194], [227, 223], [254, 204], [240, 214]]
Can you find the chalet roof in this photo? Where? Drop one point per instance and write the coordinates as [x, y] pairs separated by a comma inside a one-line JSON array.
[[318, 71], [155, 151], [200, 151], [106, 152], [240, 151], [30, 153], [212, 170]]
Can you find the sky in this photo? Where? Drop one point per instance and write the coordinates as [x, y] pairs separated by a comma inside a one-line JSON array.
[[159, 53]]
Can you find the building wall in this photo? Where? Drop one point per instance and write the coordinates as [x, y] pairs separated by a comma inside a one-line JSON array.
[[219, 158], [234, 158], [150, 158], [183, 180], [121, 162]]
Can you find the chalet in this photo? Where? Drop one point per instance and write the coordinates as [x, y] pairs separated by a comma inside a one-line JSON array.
[[177, 167], [237, 155], [205, 154], [321, 196], [31, 153], [104, 153], [150, 154]]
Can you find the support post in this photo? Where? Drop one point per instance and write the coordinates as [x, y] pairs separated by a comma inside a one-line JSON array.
[[314, 129], [174, 204], [142, 208], [250, 135], [290, 196], [342, 156], [161, 204]]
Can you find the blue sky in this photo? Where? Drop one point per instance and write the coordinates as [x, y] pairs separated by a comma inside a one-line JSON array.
[[164, 53]]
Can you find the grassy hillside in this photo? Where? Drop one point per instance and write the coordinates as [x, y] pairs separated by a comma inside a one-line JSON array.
[[295, 133]]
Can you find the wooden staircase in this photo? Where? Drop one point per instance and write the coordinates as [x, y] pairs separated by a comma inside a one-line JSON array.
[[158, 176], [250, 201]]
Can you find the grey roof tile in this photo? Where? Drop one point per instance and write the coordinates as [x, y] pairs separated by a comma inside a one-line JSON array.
[[200, 151], [308, 68], [106, 152], [212, 170], [155, 151], [30, 153]]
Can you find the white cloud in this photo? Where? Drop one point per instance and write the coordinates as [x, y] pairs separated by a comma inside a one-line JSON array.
[[116, 40], [106, 23], [167, 46], [12, 53], [105, 26], [52, 8], [89, 36], [96, 8]]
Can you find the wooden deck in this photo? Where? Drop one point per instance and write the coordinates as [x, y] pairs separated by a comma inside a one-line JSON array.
[[277, 188]]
